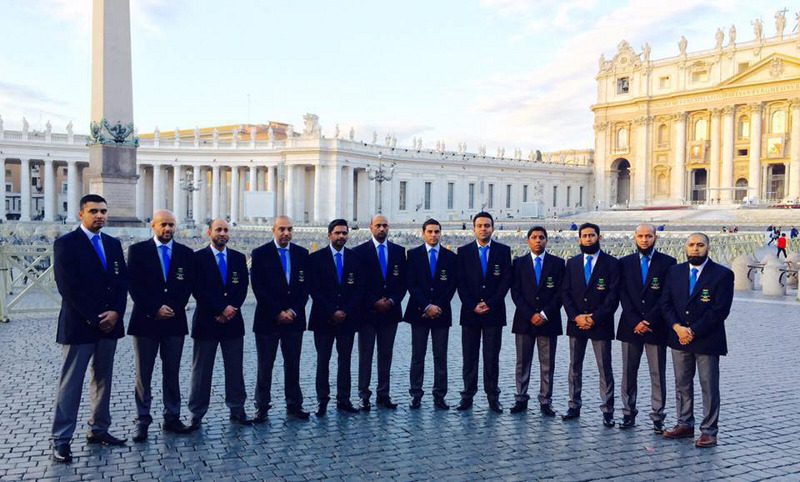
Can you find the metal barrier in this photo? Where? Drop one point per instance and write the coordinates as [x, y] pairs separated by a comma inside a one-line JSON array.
[[27, 284]]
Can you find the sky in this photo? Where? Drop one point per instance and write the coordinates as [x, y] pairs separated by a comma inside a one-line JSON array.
[[500, 73]]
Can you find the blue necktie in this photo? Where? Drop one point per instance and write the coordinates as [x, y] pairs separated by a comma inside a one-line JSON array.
[[382, 259], [645, 262], [432, 254], [537, 267], [484, 259], [165, 260], [223, 268], [99, 249], [692, 281], [339, 267], [587, 270], [284, 263]]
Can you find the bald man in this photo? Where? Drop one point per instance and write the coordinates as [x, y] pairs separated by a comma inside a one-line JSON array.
[[161, 276]]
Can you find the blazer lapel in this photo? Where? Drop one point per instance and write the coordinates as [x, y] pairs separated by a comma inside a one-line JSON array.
[[155, 260], [276, 256], [596, 262]]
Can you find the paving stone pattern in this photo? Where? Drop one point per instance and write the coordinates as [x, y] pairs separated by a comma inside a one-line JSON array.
[[758, 427]]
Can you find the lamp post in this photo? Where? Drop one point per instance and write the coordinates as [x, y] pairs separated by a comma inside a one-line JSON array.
[[380, 175], [190, 185]]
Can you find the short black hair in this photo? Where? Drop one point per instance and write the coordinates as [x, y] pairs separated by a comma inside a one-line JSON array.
[[537, 228], [429, 222], [92, 198], [589, 226], [482, 214], [337, 222]]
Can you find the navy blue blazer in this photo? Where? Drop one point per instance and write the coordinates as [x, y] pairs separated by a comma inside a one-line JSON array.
[[328, 296], [212, 296], [473, 288], [376, 287], [600, 297], [643, 301], [273, 293], [704, 311], [87, 289], [531, 298], [149, 291], [424, 290]]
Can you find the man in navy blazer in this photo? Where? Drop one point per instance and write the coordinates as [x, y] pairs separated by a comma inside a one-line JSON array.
[[162, 276], [220, 289], [484, 277], [536, 291], [337, 290], [278, 275], [431, 274], [590, 296], [384, 265], [641, 327], [696, 302], [92, 279]]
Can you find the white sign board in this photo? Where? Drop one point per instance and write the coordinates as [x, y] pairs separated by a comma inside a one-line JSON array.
[[259, 204], [530, 210]]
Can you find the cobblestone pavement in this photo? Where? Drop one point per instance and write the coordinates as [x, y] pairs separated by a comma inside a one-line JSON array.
[[758, 426]]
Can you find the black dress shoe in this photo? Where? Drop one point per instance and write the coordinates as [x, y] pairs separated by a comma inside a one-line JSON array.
[[464, 404], [195, 425], [241, 419], [322, 409], [628, 421], [261, 417], [416, 402], [173, 426], [658, 427], [62, 454], [608, 420], [105, 439], [346, 407], [519, 407], [440, 404], [547, 410], [141, 434], [365, 405], [386, 403], [495, 406], [571, 414], [297, 412]]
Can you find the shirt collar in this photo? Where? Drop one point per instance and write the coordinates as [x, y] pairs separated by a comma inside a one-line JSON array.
[[594, 256], [534, 256], [376, 243], [488, 245], [278, 246], [214, 250], [650, 256], [333, 250], [159, 243], [699, 268], [430, 248], [88, 233]]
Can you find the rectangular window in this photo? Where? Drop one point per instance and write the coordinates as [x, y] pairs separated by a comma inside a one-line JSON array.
[[580, 196], [742, 67], [472, 195], [700, 76], [623, 85], [525, 193], [451, 187], [508, 196], [555, 196], [8, 188], [490, 199], [664, 82], [403, 192], [569, 195], [428, 186], [64, 187]]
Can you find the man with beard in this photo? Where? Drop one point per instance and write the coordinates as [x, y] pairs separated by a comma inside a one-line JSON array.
[[432, 276], [162, 273], [696, 302], [641, 327], [337, 290], [92, 279], [591, 295], [278, 275], [384, 266], [484, 277], [536, 291], [220, 291]]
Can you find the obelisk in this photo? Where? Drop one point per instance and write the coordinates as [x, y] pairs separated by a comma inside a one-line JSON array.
[[112, 144]]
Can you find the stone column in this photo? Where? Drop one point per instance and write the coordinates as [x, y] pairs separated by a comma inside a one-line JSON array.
[[196, 214], [140, 193], [177, 195], [234, 206], [25, 190], [72, 191], [679, 167], [641, 169], [49, 191], [290, 193], [318, 216], [334, 197], [346, 192], [600, 179], [794, 152], [754, 176], [214, 191], [158, 188], [2, 187], [272, 179], [713, 180], [728, 140], [253, 184]]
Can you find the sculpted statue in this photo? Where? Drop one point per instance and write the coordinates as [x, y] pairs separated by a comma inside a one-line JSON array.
[[336, 132], [197, 132], [25, 125], [780, 23], [394, 141], [682, 43], [253, 132], [215, 135], [270, 134], [758, 29], [69, 127], [157, 134], [732, 36], [374, 137], [311, 127], [602, 62], [289, 131], [482, 151], [352, 133], [646, 53], [1, 123], [48, 128], [719, 37]]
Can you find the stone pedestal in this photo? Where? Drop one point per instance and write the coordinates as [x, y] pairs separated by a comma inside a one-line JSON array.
[[739, 267], [112, 174], [771, 285]]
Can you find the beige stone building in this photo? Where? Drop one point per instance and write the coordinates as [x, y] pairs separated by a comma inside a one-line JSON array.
[[718, 126]]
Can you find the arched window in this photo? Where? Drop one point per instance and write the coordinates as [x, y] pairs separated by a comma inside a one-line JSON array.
[[741, 189], [743, 127], [700, 128], [622, 139], [662, 184], [663, 135], [778, 122]]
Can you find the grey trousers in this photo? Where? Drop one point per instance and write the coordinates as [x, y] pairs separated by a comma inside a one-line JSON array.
[[602, 355], [205, 352], [707, 366], [145, 350], [368, 334], [70, 388], [324, 342], [291, 344], [471, 350], [547, 356], [419, 347], [657, 365]]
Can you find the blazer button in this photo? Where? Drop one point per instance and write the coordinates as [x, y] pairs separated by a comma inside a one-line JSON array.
[[537, 298], [687, 312], [224, 294], [585, 299], [289, 292], [483, 286], [431, 289], [642, 301], [165, 290]]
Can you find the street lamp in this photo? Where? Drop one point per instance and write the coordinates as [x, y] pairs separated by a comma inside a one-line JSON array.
[[189, 184], [380, 175]]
